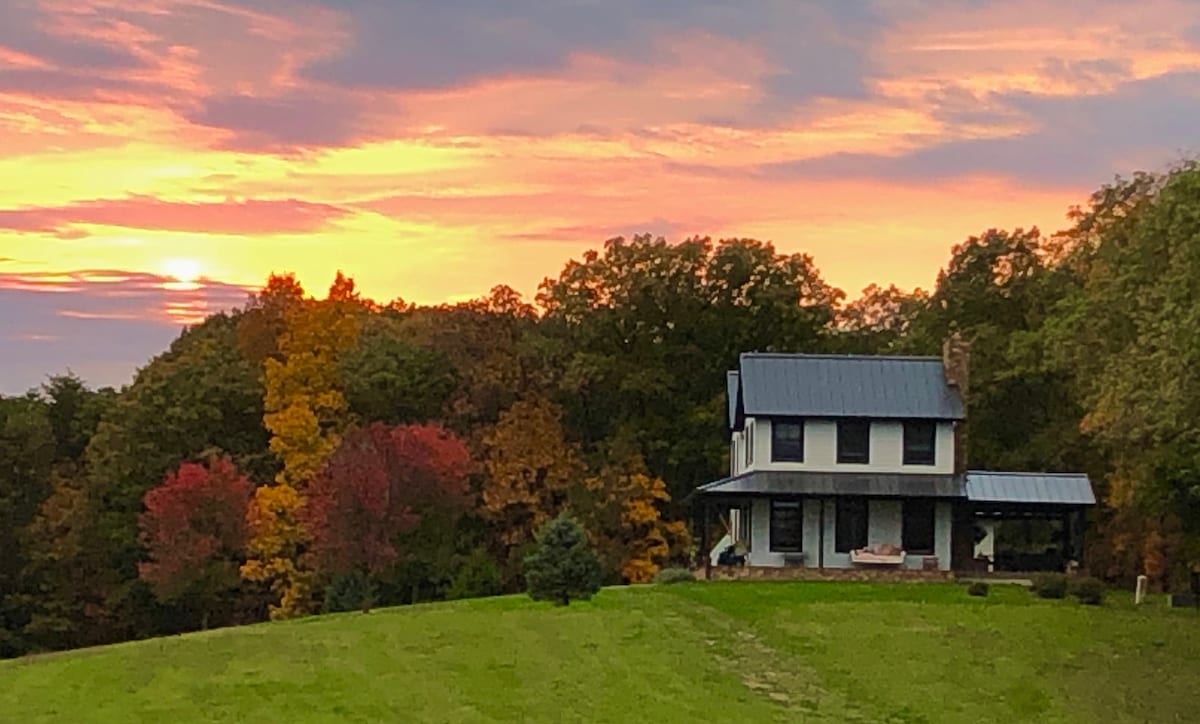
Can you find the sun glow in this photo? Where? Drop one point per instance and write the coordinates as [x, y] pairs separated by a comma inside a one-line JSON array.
[[185, 274]]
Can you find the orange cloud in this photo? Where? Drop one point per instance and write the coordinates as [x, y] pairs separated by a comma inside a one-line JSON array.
[[253, 216]]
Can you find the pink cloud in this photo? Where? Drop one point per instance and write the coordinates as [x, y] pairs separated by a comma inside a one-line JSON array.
[[251, 216]]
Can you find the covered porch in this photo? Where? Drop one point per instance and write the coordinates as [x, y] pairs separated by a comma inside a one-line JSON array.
[[1027, 522], [828, 521]]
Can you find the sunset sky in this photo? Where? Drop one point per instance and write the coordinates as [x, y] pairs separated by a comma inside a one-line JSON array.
[[157, 157]]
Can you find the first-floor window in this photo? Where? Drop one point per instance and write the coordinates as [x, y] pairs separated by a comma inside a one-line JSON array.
[[786, 525], [851, 524], [919, 521]]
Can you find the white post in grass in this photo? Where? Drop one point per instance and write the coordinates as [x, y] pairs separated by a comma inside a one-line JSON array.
[[1139, 596]]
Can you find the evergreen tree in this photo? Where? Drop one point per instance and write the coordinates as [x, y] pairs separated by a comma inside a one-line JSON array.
[[563, 566]]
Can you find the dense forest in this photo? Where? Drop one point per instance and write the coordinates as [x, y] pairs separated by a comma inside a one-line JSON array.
[[303, 455]]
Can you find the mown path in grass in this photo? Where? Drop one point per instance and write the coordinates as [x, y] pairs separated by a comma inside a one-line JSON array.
[[932, 654], [693, 652]]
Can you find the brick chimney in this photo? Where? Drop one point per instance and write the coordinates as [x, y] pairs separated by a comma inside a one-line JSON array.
[[956, 359]]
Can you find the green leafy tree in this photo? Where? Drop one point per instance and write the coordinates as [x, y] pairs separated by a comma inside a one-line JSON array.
[[197, 399], [493, 350], [389, 378], [563, 566], [878, 322], [477, 576], [27, 449], [645, 331], [1131, 330], [998, 291]]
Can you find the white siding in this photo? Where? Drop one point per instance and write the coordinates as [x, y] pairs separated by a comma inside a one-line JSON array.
[[885, 525], [820, 449], [736, 454]]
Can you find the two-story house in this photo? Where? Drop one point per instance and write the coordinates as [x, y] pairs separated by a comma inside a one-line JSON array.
[[840, 461]]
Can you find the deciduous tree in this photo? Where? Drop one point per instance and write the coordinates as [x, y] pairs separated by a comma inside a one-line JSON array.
[[305, 411], [528, 470], [622, 507], [194, 531], [277, 542], [380, 483]]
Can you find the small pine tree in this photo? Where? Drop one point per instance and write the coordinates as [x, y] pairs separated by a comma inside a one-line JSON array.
[[563, 566]]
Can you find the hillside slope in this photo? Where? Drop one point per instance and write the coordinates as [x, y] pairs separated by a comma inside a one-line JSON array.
[[695, 652]]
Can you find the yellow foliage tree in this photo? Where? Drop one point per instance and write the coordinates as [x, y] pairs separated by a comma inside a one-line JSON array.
[[306, 412], [625, 520], [529, 470], [305, 408], [277, 540]]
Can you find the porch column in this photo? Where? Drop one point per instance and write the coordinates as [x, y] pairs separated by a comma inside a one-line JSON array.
[[821, 534], [706, 512], [1068, 536]]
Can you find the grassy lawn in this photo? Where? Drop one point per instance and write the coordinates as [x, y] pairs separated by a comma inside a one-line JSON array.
[[692, 652]]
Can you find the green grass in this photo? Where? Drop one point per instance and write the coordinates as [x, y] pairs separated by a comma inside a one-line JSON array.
[[688, 652]]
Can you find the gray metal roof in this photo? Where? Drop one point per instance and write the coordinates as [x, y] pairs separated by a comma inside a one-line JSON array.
[[1047, 488], [780, 482], [731, 388], [847, 386]]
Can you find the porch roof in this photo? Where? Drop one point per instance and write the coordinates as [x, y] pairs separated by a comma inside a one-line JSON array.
[[791, 482], [985, 486]]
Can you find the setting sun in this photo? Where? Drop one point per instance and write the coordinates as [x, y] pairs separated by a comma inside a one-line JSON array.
[[184, 272]]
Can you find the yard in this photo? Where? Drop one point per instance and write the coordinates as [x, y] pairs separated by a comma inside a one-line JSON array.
[[703, 651]]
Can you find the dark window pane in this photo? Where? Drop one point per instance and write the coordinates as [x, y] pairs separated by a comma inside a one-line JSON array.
[[919, 524], [854, 441], [787, 440], [851, 524], [786, 525], [920, 440]]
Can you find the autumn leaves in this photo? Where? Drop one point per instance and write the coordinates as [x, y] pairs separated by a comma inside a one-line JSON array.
[[346, 488]]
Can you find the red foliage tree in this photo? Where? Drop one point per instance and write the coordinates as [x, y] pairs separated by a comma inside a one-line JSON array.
[[379, 484], [194, 530]]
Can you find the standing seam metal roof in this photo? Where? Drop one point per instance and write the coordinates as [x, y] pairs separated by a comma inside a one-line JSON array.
[[847, 386], [1050, 488]]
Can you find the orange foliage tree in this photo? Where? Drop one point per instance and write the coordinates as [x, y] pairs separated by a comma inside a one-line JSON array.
[[529, 470]]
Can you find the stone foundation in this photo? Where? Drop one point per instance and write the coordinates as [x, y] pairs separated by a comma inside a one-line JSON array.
[[801, 573]]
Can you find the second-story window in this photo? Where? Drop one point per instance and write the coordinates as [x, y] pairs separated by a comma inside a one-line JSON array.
[[920, 441], [854, 441], [787, 441]]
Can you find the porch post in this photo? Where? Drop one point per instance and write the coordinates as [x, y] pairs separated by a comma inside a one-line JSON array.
[[1069, 536], [821, 534], [704, 548]]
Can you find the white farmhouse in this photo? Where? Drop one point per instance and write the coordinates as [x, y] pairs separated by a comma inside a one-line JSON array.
[[843, 461]]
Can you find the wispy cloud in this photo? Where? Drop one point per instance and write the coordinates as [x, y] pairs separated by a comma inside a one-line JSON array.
[[253, 216], [102, 324]]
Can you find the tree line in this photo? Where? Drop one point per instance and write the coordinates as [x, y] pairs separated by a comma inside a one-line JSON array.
[[300, 455]]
